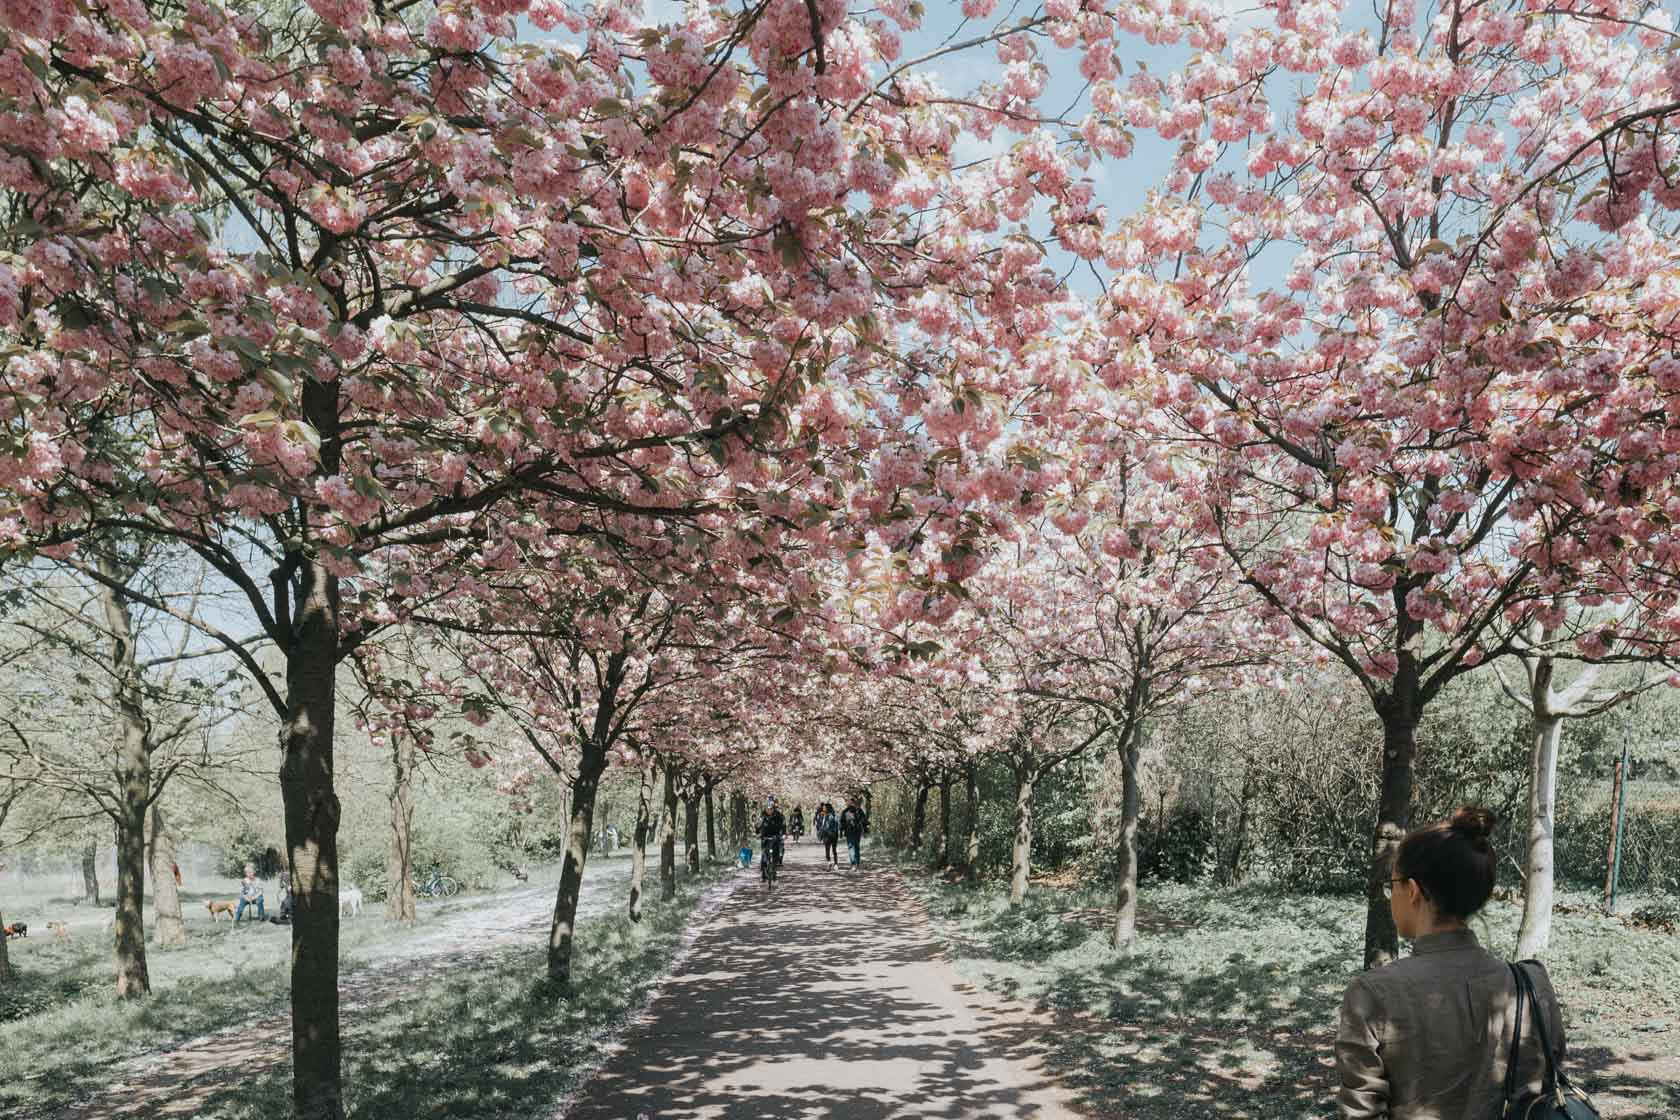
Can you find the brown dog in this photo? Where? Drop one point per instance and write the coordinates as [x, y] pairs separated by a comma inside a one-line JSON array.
[[59, 930], [218, 908]]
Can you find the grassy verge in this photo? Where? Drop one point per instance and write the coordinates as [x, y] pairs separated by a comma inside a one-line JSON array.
[[1227, 1005], [490, 1039], [64, 1032]]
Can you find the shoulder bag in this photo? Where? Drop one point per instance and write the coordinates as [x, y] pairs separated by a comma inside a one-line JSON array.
[[1557, 1098]]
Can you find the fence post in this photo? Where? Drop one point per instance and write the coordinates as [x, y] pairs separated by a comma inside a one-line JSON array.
[[1618, 814]]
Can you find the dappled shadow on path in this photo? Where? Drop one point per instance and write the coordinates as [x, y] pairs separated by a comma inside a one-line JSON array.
[[824, 999]]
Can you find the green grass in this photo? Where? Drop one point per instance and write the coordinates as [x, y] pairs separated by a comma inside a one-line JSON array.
[[65, 1030], [1226, 1006], [492, 1039]]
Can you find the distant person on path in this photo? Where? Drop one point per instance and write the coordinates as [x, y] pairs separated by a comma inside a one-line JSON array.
[[827, 823], [772, 826], [854, 822], [797, 824], [250, 894], [1429, 1037]]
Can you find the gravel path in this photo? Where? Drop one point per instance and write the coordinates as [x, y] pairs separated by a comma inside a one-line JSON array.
[[826, 999], [175, 1081]]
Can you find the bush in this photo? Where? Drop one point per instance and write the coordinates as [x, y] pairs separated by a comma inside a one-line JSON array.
[[1184, 848]]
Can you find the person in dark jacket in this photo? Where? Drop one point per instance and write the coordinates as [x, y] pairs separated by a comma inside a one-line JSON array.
[[854, 822], [772, 826], [827, 824]]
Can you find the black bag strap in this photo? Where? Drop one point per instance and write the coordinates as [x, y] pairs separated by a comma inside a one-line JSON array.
[[1517, 979], [1554, 1076]]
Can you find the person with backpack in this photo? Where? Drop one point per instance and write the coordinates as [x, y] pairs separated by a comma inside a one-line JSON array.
[[1451, 1032], [827, 824], [796, 824], [854, 822]]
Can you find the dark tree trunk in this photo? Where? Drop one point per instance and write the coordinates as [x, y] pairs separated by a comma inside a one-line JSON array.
[[945, 820], [639, 842], [312, 814], [563, 933], [1020, 862], [7, 974], [737, 818], [90, 872], [971, 848], [1239, 842], [691, 831], [918, 819], [1126, 854], [134, 785], [399, 861], [668, 838], [1394, 808], [711, 828], [167, 926]]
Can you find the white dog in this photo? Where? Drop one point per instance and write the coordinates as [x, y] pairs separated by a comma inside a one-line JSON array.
[[351, 897]]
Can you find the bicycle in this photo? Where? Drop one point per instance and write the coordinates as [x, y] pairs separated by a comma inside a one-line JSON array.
[[768, 859], [438, 886]]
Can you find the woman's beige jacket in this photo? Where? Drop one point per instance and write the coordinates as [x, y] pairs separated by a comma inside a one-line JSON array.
[[1427, 1037]]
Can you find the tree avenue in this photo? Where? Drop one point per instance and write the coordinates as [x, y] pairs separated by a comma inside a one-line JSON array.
[[727, 401]]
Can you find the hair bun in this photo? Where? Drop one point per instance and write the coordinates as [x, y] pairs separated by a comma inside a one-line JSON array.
[[1474, 823]]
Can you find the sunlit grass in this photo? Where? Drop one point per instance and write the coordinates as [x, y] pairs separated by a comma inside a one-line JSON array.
[[1226, 1005]]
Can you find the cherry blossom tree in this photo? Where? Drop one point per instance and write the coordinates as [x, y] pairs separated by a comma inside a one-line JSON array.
[[319, 292], [1467, 206]]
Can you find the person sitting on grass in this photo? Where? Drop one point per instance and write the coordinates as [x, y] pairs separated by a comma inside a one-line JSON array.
[[250, 894]]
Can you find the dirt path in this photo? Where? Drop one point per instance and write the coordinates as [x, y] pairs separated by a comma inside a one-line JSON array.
[[176, 1080], [827, 1000]]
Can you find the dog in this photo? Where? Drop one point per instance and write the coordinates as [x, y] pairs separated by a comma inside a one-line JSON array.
[[351, 897], [17, 929], [59, 930], [217, 908]]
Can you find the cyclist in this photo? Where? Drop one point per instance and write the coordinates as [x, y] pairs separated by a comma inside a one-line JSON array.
[[796, 826], [771, 828]]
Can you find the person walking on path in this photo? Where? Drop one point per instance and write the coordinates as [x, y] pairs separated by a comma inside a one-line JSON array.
[[827, 824], [854, 822], [796, 823], [1429, 1037]]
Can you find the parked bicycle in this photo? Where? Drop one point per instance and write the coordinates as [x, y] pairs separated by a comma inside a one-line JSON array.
[[437, 886]]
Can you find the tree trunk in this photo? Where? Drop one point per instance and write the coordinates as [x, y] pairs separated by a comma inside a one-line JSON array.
[[167, 925], [1538, 884], [562, 933], [7, 974], [711, 828], [971, 849], [399, 861], [737, 818], [691, 832], [1020, 859], [918, 820], [1239, 842], [1131, 808], [1394, 810], [945, 820], [312, 814], [668, 838], [638, 849], [134, 784], [90, 872]]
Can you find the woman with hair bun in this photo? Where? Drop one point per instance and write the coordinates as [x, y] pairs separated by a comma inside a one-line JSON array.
[[1429, 1036]]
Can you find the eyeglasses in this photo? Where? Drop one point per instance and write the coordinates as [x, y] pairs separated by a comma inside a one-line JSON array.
[[1388, 887]]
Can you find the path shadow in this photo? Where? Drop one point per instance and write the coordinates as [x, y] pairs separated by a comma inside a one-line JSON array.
[[824, 1000]]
